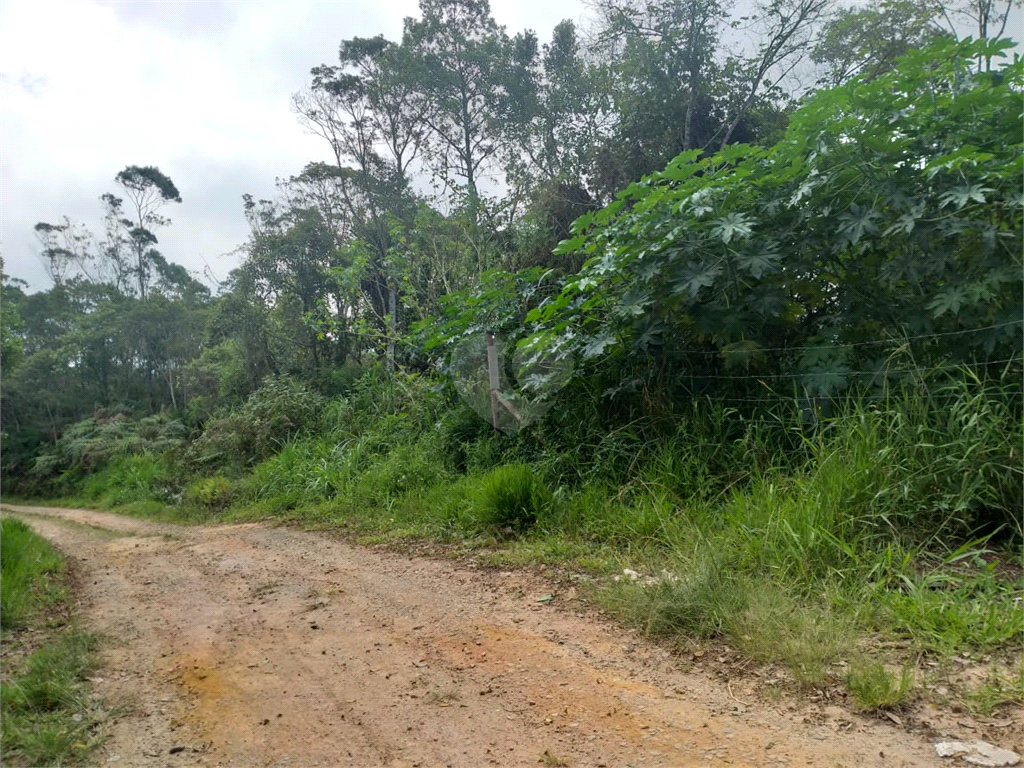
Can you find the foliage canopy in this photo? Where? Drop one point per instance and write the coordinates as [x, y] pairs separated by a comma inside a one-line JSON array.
[[889, 217]]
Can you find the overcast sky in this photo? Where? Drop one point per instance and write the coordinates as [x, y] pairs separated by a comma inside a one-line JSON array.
[[198, 88]]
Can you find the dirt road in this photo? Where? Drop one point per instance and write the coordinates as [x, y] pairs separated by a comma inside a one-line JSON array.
[[248, 645]]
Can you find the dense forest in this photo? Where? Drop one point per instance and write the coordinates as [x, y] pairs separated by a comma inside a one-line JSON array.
[[756, 312]]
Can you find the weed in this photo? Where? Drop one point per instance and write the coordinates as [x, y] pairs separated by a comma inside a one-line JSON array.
[[127, 479], [698, 603], [947, 613], [48, 717], [552, 760], [442, 698], [876, 689], [774, 626], [211, 493], [405, 470], [997, 691]]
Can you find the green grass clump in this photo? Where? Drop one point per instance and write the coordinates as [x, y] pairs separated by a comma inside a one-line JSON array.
[[27, 566], [697, 602], [998, 690], [512, 497], [948, 614], [778, 625], [877, 689]]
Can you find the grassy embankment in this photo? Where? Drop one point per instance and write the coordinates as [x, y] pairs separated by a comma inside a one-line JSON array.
[[861, 553], [48, 716]]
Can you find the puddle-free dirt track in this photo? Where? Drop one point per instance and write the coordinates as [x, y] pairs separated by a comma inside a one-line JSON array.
[[252, 645]]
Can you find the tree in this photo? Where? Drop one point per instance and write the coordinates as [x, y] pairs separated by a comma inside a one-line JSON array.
[[676, 42], [125, 257], [11, 344], [161, 336], [366, 102], [289, 260], [676, 89], [869, 41], [987, 17], [464, 67], [784, 29], [148, 191], [65, 248], [569, 110], [565, 111]]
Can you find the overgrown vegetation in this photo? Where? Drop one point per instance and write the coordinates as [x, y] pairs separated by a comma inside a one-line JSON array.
[[48, 716], [786, 413]]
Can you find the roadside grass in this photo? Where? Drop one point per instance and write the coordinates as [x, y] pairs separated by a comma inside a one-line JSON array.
[[896, 519], [48, 716], [29, 567]]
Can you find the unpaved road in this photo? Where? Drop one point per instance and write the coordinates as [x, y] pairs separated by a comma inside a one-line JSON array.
[[249, 645]]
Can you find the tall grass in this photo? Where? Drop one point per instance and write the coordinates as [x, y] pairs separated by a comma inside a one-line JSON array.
[[46, 714], [132, 478], [28, 566], [874, 527], [930, 466]]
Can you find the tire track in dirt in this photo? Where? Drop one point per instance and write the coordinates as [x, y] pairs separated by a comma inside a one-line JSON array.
[[253, 645]]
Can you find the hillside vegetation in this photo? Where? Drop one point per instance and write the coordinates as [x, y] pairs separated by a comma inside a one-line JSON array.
[[768, 394]]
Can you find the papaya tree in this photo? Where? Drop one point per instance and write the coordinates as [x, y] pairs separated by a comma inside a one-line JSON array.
[[888, 219]]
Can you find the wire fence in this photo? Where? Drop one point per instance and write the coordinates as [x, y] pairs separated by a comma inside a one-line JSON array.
[[704, 382], [893, 340]]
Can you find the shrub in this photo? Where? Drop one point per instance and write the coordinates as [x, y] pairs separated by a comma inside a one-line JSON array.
[[91, 444], [278, 411], [213, 493]]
